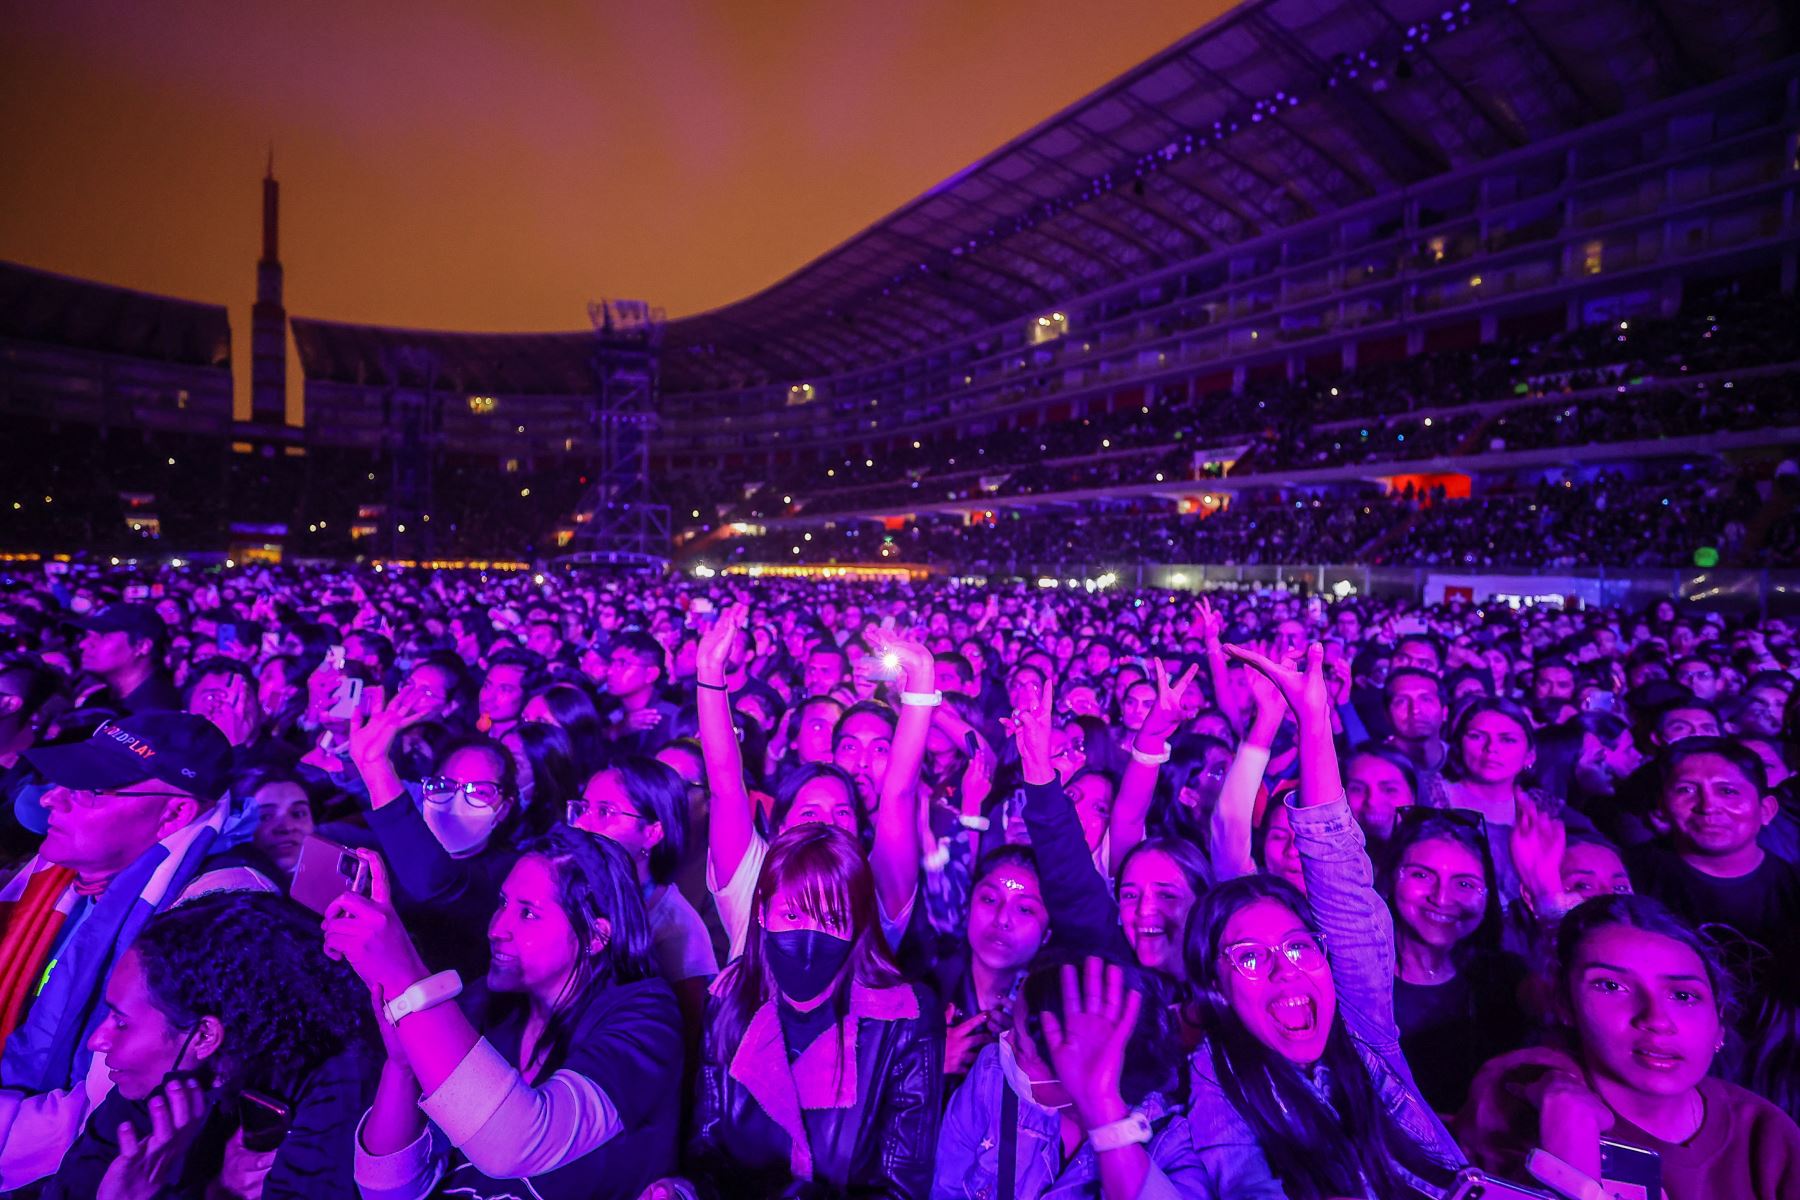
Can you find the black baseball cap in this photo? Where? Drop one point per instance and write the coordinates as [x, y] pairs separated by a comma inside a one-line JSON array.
[[185, 751], [138, 620]]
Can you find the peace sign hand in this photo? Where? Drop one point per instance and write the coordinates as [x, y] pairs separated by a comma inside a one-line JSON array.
[[1165, 714]]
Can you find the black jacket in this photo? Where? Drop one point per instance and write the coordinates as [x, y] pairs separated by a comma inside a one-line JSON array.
[[882, 1145]]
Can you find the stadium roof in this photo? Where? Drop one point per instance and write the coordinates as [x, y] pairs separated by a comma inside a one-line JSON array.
[[1278, 112], [556, 364], [38, 306]]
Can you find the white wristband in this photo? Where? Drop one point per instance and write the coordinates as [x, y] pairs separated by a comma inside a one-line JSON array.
[[921, 699], [1148, 759], [971, 821], [1134, 1130], [429, 992]]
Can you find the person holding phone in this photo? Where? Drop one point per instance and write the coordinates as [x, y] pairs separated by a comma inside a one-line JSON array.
[[240, 1060], [561, 1078], [1644, 1001]]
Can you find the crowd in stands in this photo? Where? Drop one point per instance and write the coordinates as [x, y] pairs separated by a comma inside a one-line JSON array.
[[331, 882], [1614, 381], [1608, 519]]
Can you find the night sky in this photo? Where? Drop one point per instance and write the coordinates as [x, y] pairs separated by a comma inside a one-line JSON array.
[[494, 166]]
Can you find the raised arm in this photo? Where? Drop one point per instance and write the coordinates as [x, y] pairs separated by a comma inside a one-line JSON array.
[[896, 855], [1340, 880], [1234, 816], [373, 728], [730, 816], [1149, 750], [1082, 910], [1211, 625]]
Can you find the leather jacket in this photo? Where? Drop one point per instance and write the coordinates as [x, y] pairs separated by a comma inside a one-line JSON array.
[[883, 1144]]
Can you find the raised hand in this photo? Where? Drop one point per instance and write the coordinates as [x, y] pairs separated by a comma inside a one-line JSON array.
[[378, 721], [712, 660], [1208, 624], [1165, 715], [977, 780], [1030, 728], [916, 663], [1087, 1042], [1302, 686], [367, 933], [1538, 841]]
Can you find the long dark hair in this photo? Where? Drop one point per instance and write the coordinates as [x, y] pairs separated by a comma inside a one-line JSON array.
[[595, 882], [255, 961], [1349, 1145], [1426, 825], [1501, 706], [555, 778], [657, 791], [576, 713], [1635, 911], [828, 867], [788, 791]]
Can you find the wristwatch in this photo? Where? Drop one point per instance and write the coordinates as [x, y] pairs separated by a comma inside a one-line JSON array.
[[429, 992]]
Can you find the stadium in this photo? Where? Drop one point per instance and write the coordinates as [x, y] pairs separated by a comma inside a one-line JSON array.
[[1242, 645], [1321, 294]]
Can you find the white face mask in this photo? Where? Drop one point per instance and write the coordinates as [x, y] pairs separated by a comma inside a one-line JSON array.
[[1018, 1080], [458, 827]]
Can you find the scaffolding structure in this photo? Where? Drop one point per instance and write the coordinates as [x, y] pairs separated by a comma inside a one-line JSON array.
[[617, 523]]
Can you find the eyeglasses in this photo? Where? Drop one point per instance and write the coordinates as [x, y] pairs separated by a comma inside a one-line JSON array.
[[605, 810], [1254, 960], [480, 794], [91, 798]]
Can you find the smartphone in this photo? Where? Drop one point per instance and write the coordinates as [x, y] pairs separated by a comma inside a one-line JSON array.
[[324, 871], [345, 699], [1630, 1172], [881, 668], [271, 643], [228, 636], [1473, 1184], [264, 1120]]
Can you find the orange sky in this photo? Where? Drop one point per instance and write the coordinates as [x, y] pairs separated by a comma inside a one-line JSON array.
[[477, 165]]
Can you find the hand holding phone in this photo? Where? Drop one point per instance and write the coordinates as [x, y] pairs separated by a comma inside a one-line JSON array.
[[326, 870]]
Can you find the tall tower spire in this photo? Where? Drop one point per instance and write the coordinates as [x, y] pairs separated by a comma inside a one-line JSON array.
[[268, 319]]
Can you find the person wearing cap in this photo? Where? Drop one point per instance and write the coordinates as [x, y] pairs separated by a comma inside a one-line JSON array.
[[122, 646], [131, 825]]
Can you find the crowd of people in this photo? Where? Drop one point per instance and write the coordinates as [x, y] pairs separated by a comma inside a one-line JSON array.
[[1616, 518], [331, 882], [1612, 381]]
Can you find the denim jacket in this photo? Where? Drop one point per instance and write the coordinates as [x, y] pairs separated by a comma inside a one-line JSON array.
[[1359, 940], [968, 1158]]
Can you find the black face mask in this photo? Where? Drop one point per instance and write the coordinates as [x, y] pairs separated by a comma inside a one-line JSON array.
[[805, 961]]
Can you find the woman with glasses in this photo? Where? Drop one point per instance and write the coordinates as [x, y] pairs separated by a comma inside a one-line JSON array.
[[448, 837], [1300, 1090], [1456, 992], [641, 804]]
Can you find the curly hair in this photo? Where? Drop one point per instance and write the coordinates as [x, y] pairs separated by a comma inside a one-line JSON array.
[[255, 962]]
